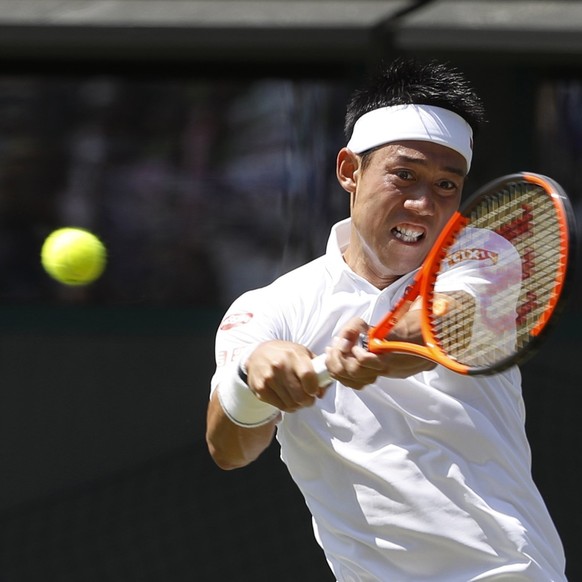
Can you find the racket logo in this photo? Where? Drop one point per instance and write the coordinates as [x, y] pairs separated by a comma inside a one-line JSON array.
[[528, 263], [234, 320], [519, 226], [529, 306]]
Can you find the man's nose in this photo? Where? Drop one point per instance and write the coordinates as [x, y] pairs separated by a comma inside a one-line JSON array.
[[421, 202]]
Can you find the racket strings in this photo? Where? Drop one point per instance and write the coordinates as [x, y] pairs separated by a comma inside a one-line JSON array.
[[501, 321], [452, 317]]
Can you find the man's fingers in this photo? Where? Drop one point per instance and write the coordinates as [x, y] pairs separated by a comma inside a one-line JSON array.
[[350, 335], [289, 390]]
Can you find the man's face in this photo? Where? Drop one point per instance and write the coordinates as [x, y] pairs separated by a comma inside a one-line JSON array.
[[399, 204]]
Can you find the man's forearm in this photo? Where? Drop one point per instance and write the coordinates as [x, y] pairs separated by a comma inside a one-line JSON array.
[[232, 446]]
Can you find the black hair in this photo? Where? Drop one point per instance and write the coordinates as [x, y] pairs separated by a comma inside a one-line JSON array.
[[409, 81]]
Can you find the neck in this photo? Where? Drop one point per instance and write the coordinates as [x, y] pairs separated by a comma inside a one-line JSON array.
[[368, 267]]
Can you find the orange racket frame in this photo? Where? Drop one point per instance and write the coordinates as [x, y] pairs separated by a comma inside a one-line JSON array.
[[423, 283]]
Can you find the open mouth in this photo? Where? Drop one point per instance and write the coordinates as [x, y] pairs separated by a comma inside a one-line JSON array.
[[408, 234]]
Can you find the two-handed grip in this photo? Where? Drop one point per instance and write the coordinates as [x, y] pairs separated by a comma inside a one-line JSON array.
[[320, 368]]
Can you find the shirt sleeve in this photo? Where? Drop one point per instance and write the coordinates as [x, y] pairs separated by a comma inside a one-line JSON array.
[[252, 319]]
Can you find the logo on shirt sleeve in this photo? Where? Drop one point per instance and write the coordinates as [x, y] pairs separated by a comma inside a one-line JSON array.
[[234, 320]]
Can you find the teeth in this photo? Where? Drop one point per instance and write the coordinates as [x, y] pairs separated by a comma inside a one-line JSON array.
[[407, 234]]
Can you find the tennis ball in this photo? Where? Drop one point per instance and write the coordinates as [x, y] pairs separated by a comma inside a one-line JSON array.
[[73, 256]]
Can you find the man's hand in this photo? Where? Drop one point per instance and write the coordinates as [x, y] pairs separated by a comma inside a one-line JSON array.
[[281, 373], [356, 367]]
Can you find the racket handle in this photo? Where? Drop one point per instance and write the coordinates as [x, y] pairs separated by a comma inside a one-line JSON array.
[[320, 368], [323, 377]]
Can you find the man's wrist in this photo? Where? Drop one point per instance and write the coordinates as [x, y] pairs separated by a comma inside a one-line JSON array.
[[239, 403]]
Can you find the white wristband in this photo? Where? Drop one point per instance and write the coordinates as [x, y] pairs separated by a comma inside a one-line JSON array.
[[240, 405]]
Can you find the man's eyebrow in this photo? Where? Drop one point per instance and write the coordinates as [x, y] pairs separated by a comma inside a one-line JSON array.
[[452, 169]]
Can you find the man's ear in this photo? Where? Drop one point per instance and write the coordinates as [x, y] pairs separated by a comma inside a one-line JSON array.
[[347, 169]]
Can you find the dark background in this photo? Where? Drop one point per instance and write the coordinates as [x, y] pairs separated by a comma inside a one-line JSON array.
[[198, 140]]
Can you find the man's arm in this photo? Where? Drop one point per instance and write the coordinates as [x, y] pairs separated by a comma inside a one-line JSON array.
[[356, 367], [280, 376], [232, 446]]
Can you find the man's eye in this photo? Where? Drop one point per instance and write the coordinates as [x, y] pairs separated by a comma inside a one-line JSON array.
[[404, 174], [448, 185]]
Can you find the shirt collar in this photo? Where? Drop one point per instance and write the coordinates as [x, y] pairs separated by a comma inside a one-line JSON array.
[[339, 270]]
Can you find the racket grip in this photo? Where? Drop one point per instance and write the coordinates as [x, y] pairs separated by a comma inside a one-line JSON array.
[[323, 377]]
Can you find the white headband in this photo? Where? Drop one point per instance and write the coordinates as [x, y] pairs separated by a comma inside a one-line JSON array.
[[412, 122]]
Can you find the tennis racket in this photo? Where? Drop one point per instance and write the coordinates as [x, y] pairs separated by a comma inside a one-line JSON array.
[[492, 283]]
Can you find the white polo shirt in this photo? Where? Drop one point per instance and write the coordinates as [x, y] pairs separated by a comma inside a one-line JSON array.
[[424, 478]]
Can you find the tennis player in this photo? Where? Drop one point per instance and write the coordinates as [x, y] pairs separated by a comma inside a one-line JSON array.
[[411, 472]]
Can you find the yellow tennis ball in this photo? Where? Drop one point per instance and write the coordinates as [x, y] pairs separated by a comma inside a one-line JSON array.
[[73, 256]]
